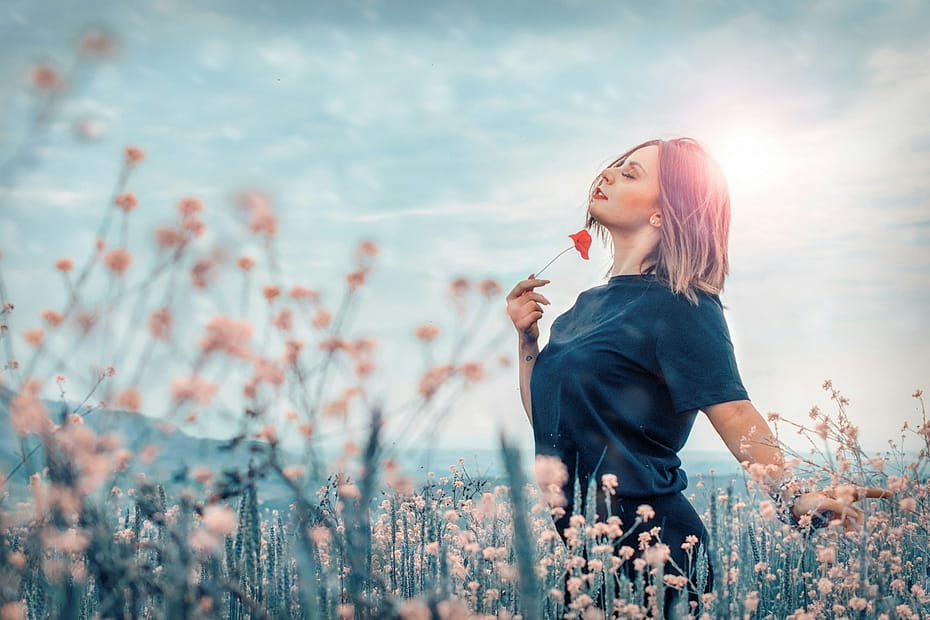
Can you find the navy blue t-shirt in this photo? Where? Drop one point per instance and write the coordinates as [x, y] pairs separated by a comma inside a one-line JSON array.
[[618, 386]]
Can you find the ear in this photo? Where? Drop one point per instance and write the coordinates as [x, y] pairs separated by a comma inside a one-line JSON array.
[[655, 219]]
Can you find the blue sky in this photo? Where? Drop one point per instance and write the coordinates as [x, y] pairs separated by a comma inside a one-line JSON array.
[[462, 138]]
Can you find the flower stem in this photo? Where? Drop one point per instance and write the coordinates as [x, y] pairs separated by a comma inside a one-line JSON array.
[[552, 261]]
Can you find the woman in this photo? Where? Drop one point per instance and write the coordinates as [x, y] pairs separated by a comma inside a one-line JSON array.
[[618, 386]]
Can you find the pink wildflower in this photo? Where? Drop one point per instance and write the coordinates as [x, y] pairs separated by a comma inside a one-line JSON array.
[[362, 347], [118, 260], [27, 413], [160, 324], [365, 368], [64, 265], [338, 408], [645, 512], [349, 490], [459, 287], [46, 78], [268, 433], [322, 319], [658, 554], [258, 207], [356, 279], [167, 237], [71, 540], [193, 388], [320, 535], [130, 398], [227, 335], [302, 292], [34, 337], [767, 510], [98, 44], [293, 472], [86, 321], [245, 263], [551, 476], [609, 483], [126, 201], [284, 320], [368, 248], [201, 272], [433, 379], [427, 332], [133, 155], [271, 292], [219, 520], [266, 371], [690, 541], [194, 225], [473, 371], [490, 288], [292, 350], [53, 318], [334, 344], [189, 206]]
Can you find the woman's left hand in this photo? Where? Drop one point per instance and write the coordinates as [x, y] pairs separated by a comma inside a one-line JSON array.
[[836, 503]]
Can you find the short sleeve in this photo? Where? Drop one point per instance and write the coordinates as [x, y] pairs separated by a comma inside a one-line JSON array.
[[695, 354]]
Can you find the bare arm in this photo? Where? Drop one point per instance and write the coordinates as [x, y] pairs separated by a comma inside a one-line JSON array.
[[527, 352], [747, 435], [524, 306]]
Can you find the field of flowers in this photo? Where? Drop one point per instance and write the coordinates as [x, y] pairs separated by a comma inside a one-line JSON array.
[[85, 534]]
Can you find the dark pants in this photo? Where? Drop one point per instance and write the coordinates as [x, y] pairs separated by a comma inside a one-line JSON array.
[[677, 519]]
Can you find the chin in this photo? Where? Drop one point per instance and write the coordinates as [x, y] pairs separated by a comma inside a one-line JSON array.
[[594, 212]]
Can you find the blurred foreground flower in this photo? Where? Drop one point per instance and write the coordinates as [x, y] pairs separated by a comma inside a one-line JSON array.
[[581, 242]]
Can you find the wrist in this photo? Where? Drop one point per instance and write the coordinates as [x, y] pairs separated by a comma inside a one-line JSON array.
[[785, 494]]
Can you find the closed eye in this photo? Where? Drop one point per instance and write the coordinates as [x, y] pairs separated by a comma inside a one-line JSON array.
[[628, 175]]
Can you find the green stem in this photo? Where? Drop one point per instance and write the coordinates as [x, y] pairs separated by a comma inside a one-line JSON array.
[[536, 275]]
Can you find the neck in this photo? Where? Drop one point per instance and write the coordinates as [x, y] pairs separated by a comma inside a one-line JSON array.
[[632, 254]]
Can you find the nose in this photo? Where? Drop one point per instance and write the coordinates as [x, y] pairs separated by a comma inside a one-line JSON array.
[[606, 177]]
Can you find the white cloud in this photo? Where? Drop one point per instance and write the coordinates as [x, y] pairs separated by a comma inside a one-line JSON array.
[[30, 198], [284, 56]]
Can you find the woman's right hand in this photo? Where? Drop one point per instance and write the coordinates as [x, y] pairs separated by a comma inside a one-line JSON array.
[[524, 306]]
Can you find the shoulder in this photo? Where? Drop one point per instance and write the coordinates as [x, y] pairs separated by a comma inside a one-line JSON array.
[[674, 312]]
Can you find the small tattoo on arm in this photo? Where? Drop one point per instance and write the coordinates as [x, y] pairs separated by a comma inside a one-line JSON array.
[[529, 357]]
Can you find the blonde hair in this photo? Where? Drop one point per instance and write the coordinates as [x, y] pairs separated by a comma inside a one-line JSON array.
[[694, 201]]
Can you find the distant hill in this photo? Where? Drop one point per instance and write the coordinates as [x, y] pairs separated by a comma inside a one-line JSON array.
[[177, 452]]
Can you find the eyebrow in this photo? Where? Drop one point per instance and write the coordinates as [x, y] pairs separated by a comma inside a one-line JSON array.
[[637, 164]]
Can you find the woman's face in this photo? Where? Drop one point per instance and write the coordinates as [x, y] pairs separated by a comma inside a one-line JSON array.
[[627, 195]]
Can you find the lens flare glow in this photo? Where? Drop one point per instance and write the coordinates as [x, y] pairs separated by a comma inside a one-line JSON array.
[[752, 160]]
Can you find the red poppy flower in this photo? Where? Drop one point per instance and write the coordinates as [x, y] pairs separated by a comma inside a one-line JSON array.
[[582, 240]]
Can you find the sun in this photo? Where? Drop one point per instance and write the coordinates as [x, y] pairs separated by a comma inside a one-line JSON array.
[[751, 158]]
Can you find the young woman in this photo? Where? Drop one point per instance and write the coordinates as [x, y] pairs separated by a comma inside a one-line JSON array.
[[618, 386]]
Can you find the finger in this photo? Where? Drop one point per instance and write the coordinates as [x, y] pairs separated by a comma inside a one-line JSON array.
[[528, 321], [873, 492], [850, 517], [535, 297], [525, 285]]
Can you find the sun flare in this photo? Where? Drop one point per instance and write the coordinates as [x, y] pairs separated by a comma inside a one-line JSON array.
[[750, 157]]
